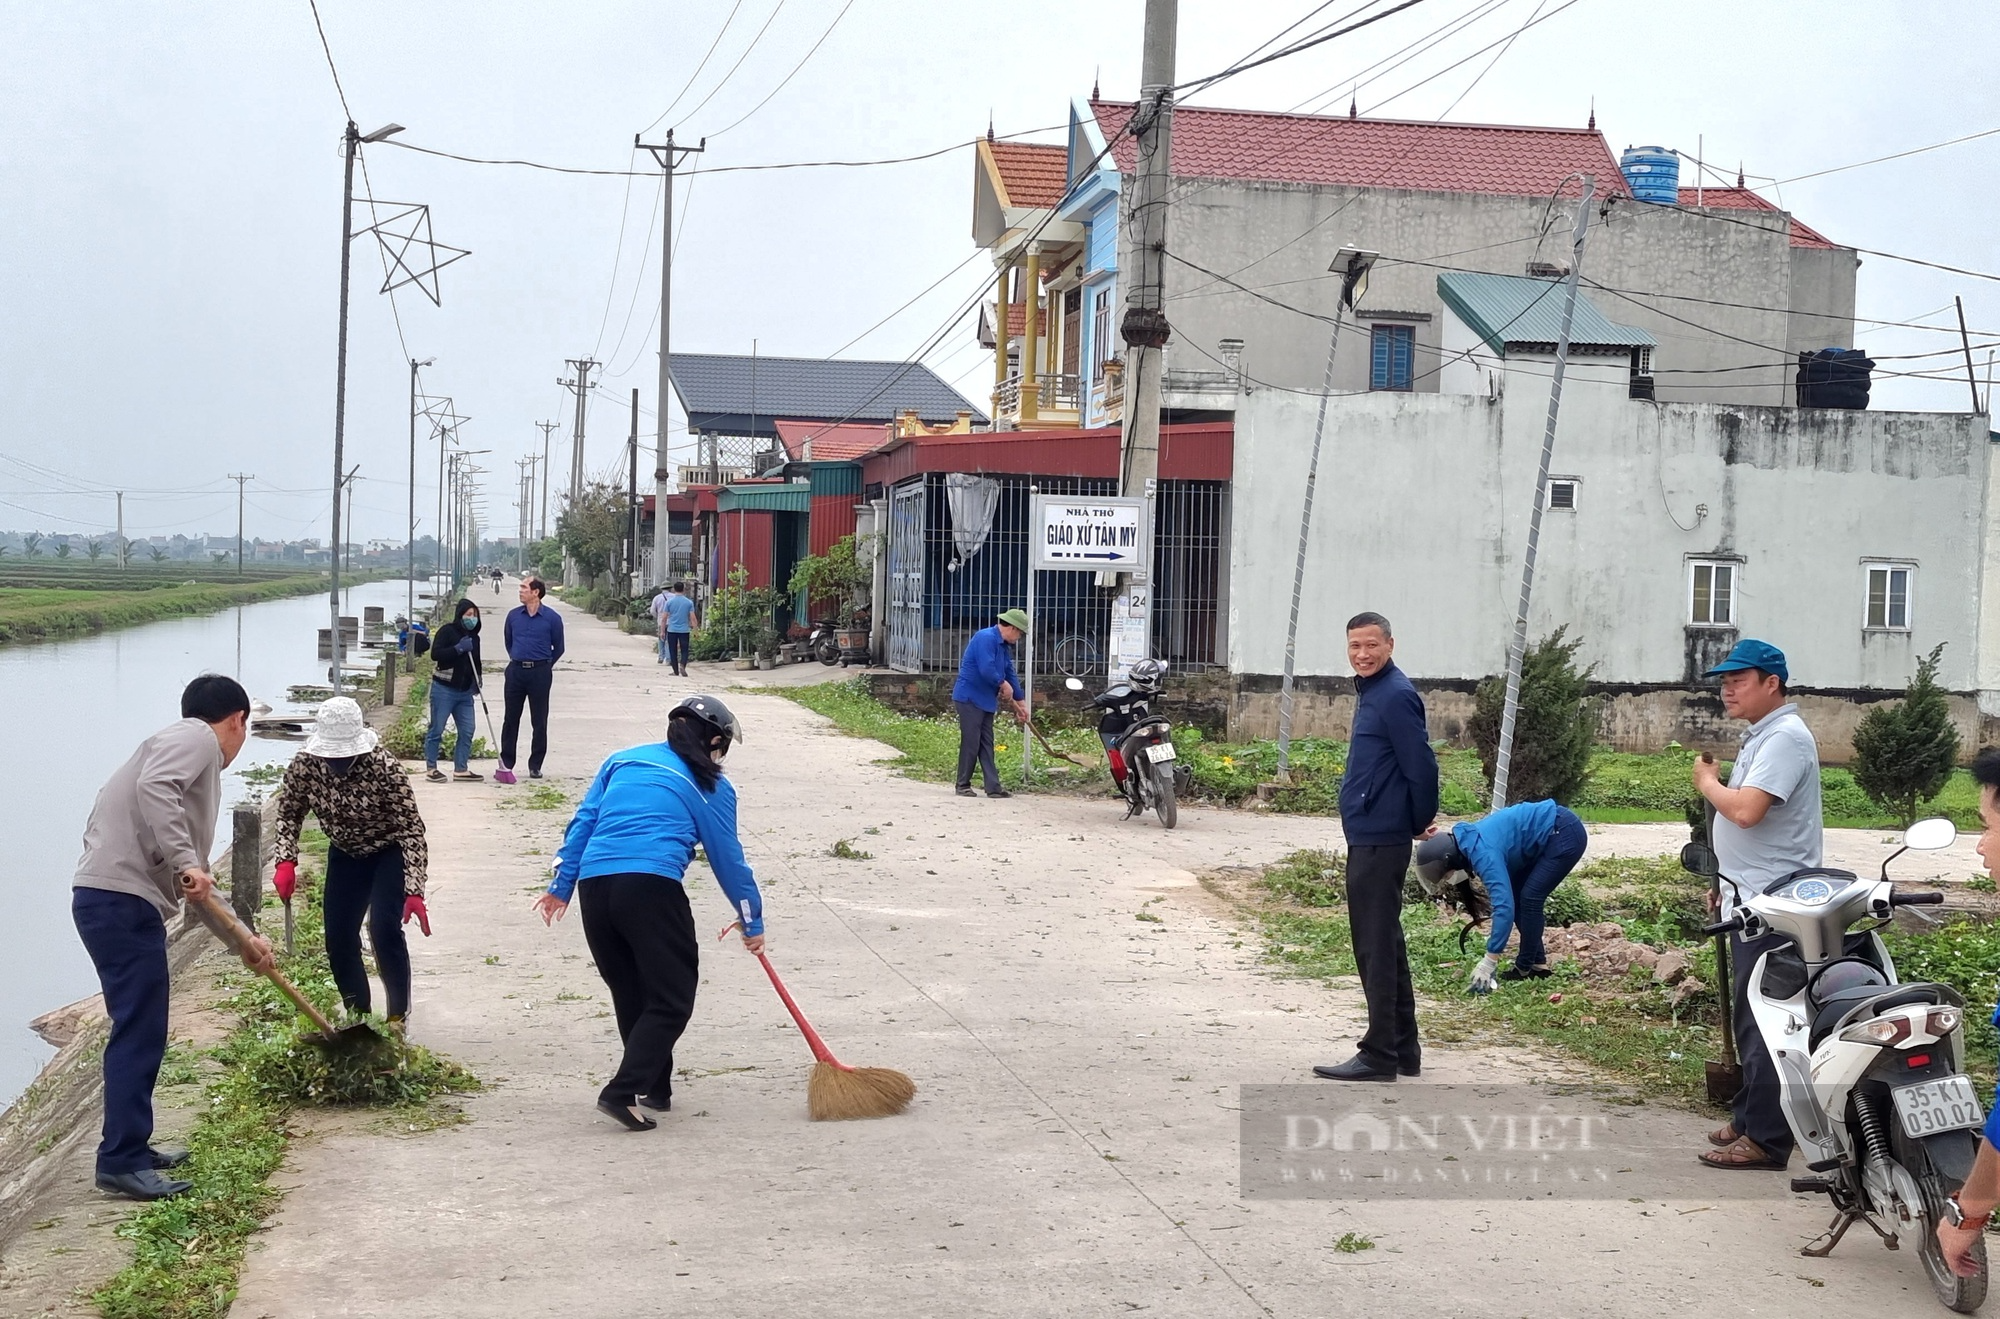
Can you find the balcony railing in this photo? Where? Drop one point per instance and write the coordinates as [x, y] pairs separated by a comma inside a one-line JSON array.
[[1052, 394]]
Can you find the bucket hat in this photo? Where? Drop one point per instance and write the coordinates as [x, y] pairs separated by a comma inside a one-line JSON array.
[[341, 731], [1015, 618]]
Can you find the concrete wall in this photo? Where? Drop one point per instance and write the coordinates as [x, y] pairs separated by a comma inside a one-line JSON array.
[[1422, 512], [1668, 268]]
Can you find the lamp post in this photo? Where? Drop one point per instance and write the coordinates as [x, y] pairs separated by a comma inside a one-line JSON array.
[[351, 143], [410, 610], [1352, 264]]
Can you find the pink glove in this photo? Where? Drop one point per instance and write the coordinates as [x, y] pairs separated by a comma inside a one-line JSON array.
[[413, 909], [286, 879]]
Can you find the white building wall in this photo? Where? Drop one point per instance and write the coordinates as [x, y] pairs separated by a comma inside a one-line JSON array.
[[1423, 505]]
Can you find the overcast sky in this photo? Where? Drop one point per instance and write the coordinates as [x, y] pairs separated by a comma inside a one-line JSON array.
[[169, 241]]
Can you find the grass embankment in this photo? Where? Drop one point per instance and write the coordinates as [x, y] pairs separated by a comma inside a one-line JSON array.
[[1637, 1030], [44, 613], [1622, 789], [188, 1251]]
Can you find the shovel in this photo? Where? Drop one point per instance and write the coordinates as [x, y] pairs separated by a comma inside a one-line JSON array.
[[345, 1039], [1724, 1074]]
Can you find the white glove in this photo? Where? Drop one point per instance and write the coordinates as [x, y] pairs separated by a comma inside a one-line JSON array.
[[1484, 980]]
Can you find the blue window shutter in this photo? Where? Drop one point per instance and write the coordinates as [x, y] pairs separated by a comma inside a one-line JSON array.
[[1379, 344], [1404, 339]]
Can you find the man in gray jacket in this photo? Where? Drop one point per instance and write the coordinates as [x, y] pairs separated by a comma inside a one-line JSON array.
[[147, 841]]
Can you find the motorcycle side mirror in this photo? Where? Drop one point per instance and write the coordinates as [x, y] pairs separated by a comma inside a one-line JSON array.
[[1699, 859], [1074, 684], [1930, 835]]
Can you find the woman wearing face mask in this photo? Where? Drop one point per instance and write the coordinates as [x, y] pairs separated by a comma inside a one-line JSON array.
[[454, 688], [376, 856], [626, 851]]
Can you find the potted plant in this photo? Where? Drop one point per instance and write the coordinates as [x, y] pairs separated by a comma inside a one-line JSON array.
[[839, 578]]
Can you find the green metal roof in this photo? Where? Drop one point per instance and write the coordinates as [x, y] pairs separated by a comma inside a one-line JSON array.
[[790, 497], [1518, 309]]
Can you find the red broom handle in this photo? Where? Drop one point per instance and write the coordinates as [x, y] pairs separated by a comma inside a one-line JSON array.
[[819, 1049]]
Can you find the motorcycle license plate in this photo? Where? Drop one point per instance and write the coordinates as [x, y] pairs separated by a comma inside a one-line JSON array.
[[1161, 752], [1946, 1104]]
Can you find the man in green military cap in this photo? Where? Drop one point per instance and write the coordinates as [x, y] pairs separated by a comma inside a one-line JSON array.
[[986, 677]]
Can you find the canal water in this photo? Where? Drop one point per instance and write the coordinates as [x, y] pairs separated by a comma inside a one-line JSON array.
[[74, 711]]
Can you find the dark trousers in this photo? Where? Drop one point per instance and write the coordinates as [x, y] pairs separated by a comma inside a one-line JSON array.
[[527, 685], [370, 888], [1375, 920], [1559, 856], [677, 651], [1756, 1111], [975, 745], [127, 942], [641, 934]]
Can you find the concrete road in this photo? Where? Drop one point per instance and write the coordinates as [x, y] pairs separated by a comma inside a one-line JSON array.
[[1073, 1148]]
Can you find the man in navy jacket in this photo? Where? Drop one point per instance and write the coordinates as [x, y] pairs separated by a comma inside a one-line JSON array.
[[1388, 797]]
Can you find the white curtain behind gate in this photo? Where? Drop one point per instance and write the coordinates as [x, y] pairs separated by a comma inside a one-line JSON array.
[[973, 500]]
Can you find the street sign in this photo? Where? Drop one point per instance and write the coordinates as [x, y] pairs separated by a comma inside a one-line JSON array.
[[1088, 533]]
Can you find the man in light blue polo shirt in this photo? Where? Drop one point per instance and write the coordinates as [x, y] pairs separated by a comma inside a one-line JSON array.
[[677, 625], [1767, 826]]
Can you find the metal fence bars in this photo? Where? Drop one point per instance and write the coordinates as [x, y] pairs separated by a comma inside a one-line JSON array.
[[958, 555]]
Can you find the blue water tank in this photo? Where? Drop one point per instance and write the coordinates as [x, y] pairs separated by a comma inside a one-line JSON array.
[[1653, 174]]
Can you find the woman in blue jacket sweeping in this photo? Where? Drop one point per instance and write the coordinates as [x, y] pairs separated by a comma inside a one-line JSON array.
[[626, 852], [1520, 853]]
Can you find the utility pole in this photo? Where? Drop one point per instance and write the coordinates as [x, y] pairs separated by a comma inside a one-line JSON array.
[[632, 499], [1511, 708], [121, 529], [669, 157], [524, 503], [239, 518], [543, 530], [580, 386], [410, 610], [340, 547], [1144, 326]]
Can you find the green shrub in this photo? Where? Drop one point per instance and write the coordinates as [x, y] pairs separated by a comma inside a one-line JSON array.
[[1904, 753], [1554, 730], [1570, 904], [1310, 878]]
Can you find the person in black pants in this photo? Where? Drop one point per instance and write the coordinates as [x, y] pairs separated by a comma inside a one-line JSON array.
[[1388, 798], [625, 855], [534, 640], [376, 855]]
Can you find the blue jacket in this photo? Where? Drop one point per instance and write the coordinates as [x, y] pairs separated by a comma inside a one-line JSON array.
[[988, 661], [1506, 843], [1389, 792], [644, 815], [537, 636]]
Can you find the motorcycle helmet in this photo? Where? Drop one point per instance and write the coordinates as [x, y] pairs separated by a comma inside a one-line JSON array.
[[1147, 675], [710, 711], [1846, 973], [1437, 858]]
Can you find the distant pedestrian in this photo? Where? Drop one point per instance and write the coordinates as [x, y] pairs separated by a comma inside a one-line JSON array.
[[146, 843], [497, 575], [626, 854], [1388, 798], [534, 640], [986, 677], [1520, 854], [678, 620], [376, 856], [657, 607], [455, 678]]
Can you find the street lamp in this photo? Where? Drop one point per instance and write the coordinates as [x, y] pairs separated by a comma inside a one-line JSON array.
[[351, 142], [1353, 265], [410, 610]]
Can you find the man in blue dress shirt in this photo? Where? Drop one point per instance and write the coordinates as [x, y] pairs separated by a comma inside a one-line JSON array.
[[534, 638]]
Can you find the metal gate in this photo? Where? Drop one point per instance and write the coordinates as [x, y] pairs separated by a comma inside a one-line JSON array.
[[906, 577]]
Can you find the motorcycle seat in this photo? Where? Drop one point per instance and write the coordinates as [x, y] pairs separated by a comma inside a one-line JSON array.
[[1844, 1007]]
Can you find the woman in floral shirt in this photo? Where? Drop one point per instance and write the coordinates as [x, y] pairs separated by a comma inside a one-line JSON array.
[[376, 858]]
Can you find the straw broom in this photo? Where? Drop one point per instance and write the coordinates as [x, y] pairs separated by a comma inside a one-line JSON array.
[[838, 1092]]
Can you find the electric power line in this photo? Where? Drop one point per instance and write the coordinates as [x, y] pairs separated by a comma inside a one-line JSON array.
[[794, 73]]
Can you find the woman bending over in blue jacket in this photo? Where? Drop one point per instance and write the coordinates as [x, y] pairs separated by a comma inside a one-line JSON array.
[[627, 851], [1520, 853]]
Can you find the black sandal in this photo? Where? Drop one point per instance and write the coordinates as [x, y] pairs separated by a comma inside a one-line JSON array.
[[625, 1116], [1526, 973]]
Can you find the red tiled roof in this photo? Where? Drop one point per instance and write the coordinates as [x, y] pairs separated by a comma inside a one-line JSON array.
[[830, 444], [1371, 153], [1034, 174], [1742, 199]]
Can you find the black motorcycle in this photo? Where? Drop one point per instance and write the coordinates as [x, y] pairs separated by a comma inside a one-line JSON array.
[[1140, 744]]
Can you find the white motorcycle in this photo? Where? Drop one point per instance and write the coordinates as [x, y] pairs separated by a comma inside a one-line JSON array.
[[1872, 1070]]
